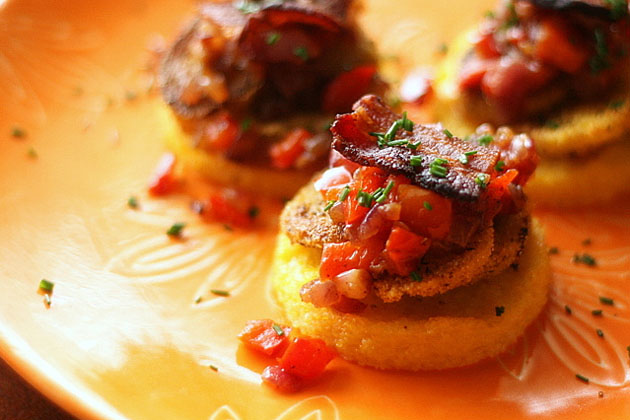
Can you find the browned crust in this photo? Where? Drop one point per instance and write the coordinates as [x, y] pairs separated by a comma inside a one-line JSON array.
[[492, 249]]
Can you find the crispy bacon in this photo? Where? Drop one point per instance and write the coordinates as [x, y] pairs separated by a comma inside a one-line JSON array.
[[597, 8], [352, 138]]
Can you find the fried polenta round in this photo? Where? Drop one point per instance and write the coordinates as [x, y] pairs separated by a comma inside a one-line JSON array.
[[492, 249], [575, 129], [218, 169], [457, 328], [582, 181]]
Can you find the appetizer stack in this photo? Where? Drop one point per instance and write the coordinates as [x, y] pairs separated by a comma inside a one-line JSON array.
[[560, 71], [415, 250], [253, 87]]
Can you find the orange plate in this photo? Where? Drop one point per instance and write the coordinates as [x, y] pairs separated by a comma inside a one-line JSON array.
[[124, 338]]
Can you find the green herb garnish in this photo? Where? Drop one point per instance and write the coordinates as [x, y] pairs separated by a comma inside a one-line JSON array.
[[415, 276], [213, 367], [600, 333], [253, 212], [597, 312], [448, 133], [616, 105], [600, 60], [499, 166], [416, 160], [246, 123], [463, 158], [46, 285], [329, 205], [582, 378], [272, 38], [499, 310], [132, 202], [586, 259], [387, 139], [381, 196], [278, 329], [568, 310], [301, 52], [554, 250], [344, 193], [618, 9], [485, 140], [32, 153], [427, 205], [482, 180], [219, 292], [18, 132], [437, 168], [606, 301], [176, 229], [552, 124]]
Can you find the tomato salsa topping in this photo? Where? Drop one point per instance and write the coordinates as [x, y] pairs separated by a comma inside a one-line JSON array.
[[400, 190], [530, 55], [300, 359]]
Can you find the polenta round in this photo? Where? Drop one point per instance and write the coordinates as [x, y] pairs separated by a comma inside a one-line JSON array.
[[458, 328], [217, 168]]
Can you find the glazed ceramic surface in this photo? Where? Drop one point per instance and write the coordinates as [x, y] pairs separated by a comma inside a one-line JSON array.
[[126, 338]]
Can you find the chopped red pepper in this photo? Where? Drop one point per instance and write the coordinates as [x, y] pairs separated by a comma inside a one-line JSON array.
[[404, 249], [346, 88], [306, 357], [281, 380], [285, 153], [261, 336], [163, 181]]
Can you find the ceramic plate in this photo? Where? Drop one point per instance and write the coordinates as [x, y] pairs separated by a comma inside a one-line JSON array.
[[125, 338]]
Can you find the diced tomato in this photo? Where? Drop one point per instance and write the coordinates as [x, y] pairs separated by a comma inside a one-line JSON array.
[[486, 46], [285, 153], [259, 335], [344, 256], [367, 179], [337, 159], [163, 181], [218, 208], [472, 72], [554, 46], [306, 358], [404, 249], [346, 88], [332, 182], [220, 132], [281, 380], [424, 211]]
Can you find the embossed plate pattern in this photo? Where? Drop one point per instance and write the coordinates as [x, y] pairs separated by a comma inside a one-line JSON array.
[[124, 338]]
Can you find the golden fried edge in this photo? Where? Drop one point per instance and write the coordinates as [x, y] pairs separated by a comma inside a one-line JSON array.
[[458, 328]]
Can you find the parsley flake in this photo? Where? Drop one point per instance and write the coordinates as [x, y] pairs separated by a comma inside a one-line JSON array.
[[427, 205], [132, 202], [485, 140], [272, 38], [176, 229]]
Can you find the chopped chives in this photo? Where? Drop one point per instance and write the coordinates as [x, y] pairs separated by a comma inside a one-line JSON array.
[[485, 140], [584, 259], [364, 199], [499, 310], [385, 193], [213, 367], [413, 146], [253, 212], [32, 153], [600, 333], [132, 202], [582, 378], [301, 52], [228, 227], [219, 292], [329, 205], [587, 242], [245, 124], [415, 276], [416, 160], [18, 132], [568, 310], [272, 38], [46, 285], [606, 300], [552, 124], [427, 205], [406, 123], [499, 166], [463, 158], [176, 229], [482, 180], [617, 104], [278, 329], [448, 133], [400, 142], [199, 299], [597, 312], [437, 168], [554, 250], [344, 193]]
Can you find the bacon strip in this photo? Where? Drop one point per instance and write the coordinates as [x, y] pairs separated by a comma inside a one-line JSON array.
[[351, 137]]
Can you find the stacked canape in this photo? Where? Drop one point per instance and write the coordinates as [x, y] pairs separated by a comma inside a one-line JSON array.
[[560, 71], [253, 86], [415, 249]]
